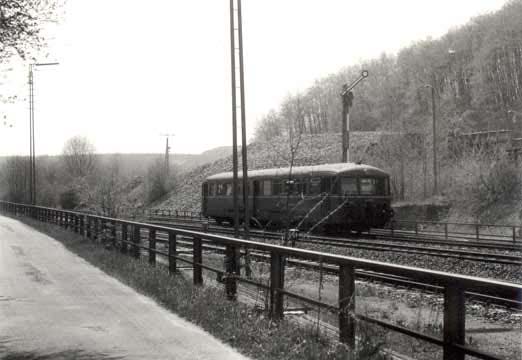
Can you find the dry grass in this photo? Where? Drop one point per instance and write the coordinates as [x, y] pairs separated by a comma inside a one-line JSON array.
[[250, 332]]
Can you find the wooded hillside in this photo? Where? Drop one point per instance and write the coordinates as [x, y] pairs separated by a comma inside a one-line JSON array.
[[476, 71]]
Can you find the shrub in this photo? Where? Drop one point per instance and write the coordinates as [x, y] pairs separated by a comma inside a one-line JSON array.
[[69, 199]]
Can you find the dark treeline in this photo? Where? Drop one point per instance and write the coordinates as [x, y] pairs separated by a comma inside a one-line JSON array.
[[476, 71]]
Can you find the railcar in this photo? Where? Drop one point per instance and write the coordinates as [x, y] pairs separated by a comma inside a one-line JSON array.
[[328, 197]]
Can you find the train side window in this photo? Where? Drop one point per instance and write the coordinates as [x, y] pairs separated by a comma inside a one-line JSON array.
[[228, 189], [266, 187], [314, 186], [348, 186], [277, 187]]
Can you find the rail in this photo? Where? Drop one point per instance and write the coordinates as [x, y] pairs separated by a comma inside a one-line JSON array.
[[126, 236], [444, 230]]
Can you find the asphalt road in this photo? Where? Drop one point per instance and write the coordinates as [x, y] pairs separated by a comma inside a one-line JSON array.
[[55, 305]]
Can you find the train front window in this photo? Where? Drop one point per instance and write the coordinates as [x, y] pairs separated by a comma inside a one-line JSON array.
[[373, 186], [315, 186], [349, 186]]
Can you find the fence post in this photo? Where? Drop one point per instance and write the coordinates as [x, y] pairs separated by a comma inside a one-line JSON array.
[[136, 240], [392, 227], [198, 260], [152, 246], [446, 231], [123, 247], [172, 252], [454, 321], [477, 231], [347, 305], [277, 283], [514, 235]]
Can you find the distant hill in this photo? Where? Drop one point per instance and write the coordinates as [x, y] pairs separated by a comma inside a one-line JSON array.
[[137, 164], [314, 149]]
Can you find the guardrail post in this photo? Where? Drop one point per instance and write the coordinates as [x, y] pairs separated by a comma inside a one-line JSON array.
[[454, 321], [152, 246], [113, 233], [514, 234], [231, 267], [96, 229], [277, 282], [82, 225], [392, 224], [66, 221], [347, 305], [136, 240], [416, 228], [123, 247], [88, 226], [198, 260], [172, 252], [477, 231], [446, 231]]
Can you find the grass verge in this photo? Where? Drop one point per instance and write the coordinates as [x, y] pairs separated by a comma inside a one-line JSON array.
[[250, 332]]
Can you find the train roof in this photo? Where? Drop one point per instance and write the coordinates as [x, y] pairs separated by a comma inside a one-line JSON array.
[[313, 170]]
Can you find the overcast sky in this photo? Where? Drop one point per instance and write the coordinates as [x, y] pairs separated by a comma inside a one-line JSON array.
[[132, 70]]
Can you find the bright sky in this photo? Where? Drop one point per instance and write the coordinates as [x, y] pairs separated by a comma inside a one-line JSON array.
[[132, 70]]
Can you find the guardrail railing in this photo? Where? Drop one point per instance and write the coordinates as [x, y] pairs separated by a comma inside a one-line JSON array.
[[127, 237], [469, 231]]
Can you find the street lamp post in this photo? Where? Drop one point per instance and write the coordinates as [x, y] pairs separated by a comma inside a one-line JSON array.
[[32, 153]]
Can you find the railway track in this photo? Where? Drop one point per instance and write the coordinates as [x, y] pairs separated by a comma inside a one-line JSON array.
[[457, 249], [498, 242], [401, 282]]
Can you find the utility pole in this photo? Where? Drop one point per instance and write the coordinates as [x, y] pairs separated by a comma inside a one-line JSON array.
[[347, 100], [31, 136], [244, 159], [32, 151], [237, 56], [234, 118], [167, 151], [434, 133]]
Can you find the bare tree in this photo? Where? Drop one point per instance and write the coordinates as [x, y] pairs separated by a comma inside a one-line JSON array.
[[78, 156], [20, 22], [13, 172], [108, 194]]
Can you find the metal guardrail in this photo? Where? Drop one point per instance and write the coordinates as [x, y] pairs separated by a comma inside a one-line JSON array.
[[128, 239], [471, 231]]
